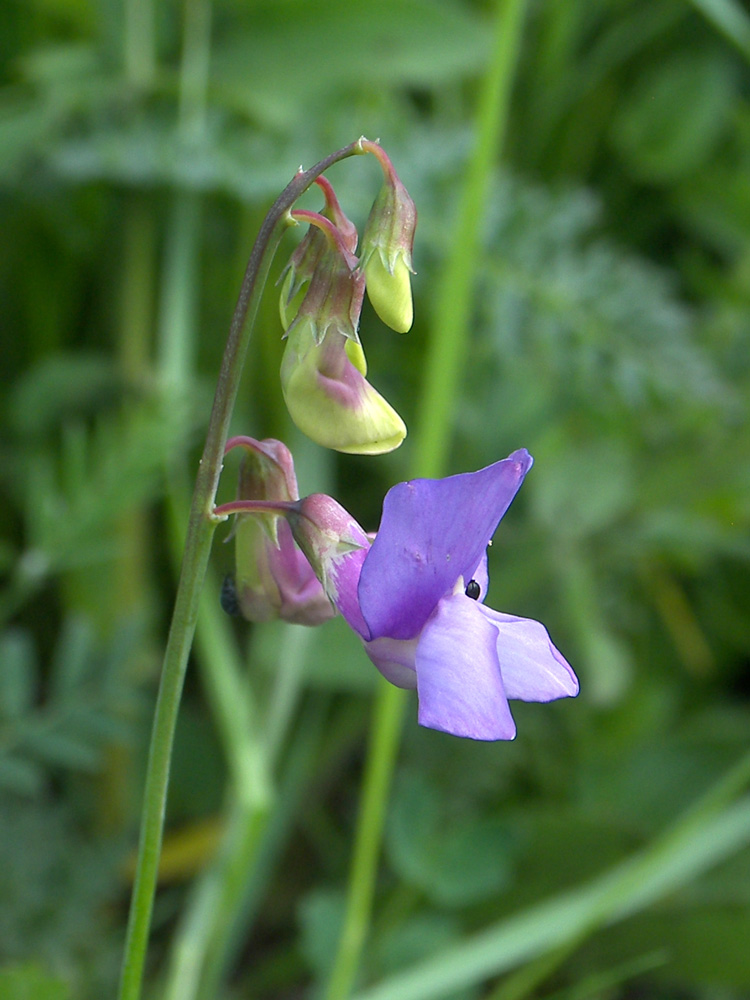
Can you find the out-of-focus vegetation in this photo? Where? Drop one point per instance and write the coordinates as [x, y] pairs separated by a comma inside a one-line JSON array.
[[140, 145]]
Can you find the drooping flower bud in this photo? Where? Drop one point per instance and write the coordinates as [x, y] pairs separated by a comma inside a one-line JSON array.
[[323, 368], [336, 288], [305, 259], [387, 243], [329, 398], [273, 577]]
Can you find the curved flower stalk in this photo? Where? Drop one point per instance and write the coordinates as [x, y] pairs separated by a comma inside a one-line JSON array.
[[415, 596], [194, 565], [273, 578]]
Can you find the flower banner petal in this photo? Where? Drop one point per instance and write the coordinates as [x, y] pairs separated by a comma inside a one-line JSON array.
[[459, 683], [533, 668], [432, 531]]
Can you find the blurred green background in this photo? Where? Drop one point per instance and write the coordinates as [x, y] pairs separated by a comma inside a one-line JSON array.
[[140, 145]]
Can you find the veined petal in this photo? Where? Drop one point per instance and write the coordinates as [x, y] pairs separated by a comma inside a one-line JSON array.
[[459, 683], [533, 668], [432, 531]]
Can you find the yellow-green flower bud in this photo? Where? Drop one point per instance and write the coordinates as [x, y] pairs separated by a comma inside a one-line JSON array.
[[387, 248], [390, 291], [329, 398]]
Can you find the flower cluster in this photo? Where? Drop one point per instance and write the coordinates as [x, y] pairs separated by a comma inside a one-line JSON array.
[[414, 592], [323, 368], [415, 596]]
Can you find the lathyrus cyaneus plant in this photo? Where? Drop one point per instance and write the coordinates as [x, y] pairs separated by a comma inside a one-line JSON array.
[[414, 592]]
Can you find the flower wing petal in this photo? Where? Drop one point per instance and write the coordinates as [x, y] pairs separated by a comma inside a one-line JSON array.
[[459, 683], [395, 659], [432, 531], [533, 668]]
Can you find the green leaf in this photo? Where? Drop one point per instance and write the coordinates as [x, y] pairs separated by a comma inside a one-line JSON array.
[[653, 132], [21, 776], [58, 387], [73, 657], [18, 673], [321, 914], [30, 982], [455, 862], [592, 496], [61, 748], [730, 18], [706, 835], [300, 49]]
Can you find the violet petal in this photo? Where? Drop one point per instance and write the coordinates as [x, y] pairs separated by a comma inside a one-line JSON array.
[[432, 531], [459, 683], [533, 668]]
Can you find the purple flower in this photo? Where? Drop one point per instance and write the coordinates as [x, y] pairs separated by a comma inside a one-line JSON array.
[[415, 597]]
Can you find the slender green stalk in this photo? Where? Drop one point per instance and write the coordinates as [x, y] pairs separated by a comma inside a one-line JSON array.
[[139, 42], [442, 380], [201, 527], [455, 291], [195, 69], [730, 18], [230, 698], [177, 327], [385, 734], [176, 345], [129, 595], [203, 939]]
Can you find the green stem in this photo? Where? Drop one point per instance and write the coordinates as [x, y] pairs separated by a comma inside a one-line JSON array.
[[442, 380], [216, 901], [455, 291], [201, 527], [385, 734], [179, 296], [139, 34]]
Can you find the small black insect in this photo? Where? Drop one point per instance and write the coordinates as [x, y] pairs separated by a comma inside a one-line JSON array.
[[473, 590], [228, 596]]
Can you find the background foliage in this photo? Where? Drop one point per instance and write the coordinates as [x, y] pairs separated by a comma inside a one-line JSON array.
[[140, 145]]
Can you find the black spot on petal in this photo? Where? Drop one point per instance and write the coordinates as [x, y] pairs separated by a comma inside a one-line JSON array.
[[473, 590]]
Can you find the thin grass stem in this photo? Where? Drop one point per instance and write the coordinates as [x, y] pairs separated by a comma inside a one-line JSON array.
[[446, 348]]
